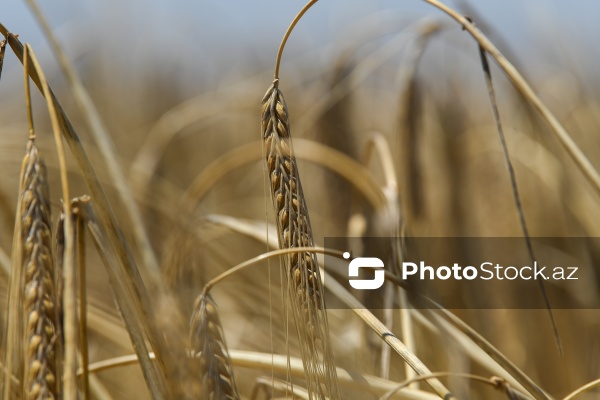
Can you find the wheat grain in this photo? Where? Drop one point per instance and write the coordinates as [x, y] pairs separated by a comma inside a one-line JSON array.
[[41, 339], [294, 230], [209, 348]]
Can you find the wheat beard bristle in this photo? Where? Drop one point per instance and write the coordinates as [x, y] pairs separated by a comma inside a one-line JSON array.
[[41, 371], [210, 349], [294, 230]]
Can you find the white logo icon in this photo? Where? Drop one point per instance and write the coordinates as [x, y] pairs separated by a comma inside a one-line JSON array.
[[365, 262]]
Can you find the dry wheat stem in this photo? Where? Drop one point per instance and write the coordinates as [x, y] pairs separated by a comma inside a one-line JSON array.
[[582, 389], [28, 95], [14, 326], [82, 285], [105, 145], [79, 234], [294, 230], [124, 299], [266, 256], [288, 33], [498, 384], [280, 364], [210, 351], [42, 374], [392, 222], [582, 162], [2, 52], [515, 189]]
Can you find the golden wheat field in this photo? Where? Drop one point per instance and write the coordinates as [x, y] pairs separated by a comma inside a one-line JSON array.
[[173, 179]]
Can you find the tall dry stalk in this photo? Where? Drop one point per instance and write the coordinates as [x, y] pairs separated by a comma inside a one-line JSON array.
[[2, 52], [294, 230], [42, 371], [209, 348]]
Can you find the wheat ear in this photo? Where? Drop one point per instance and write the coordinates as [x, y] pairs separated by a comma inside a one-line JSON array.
[[209, 347], [41, 339], [294, 230]]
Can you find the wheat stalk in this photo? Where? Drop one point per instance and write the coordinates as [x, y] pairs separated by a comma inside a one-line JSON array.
[[41, 339], [209, 347], [2, 52], [294, 230]]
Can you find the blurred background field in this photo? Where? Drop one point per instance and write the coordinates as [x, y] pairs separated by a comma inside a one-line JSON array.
[[179, 86]]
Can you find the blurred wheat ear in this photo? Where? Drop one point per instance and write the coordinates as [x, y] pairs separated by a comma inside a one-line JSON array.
[[42, 371], [210, 352]]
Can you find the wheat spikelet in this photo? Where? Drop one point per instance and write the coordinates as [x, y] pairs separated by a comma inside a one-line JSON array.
[[294, 230], [208, 346], [41, 367]]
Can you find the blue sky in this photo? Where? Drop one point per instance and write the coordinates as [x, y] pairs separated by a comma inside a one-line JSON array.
[[219, 20], [242, 31]]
